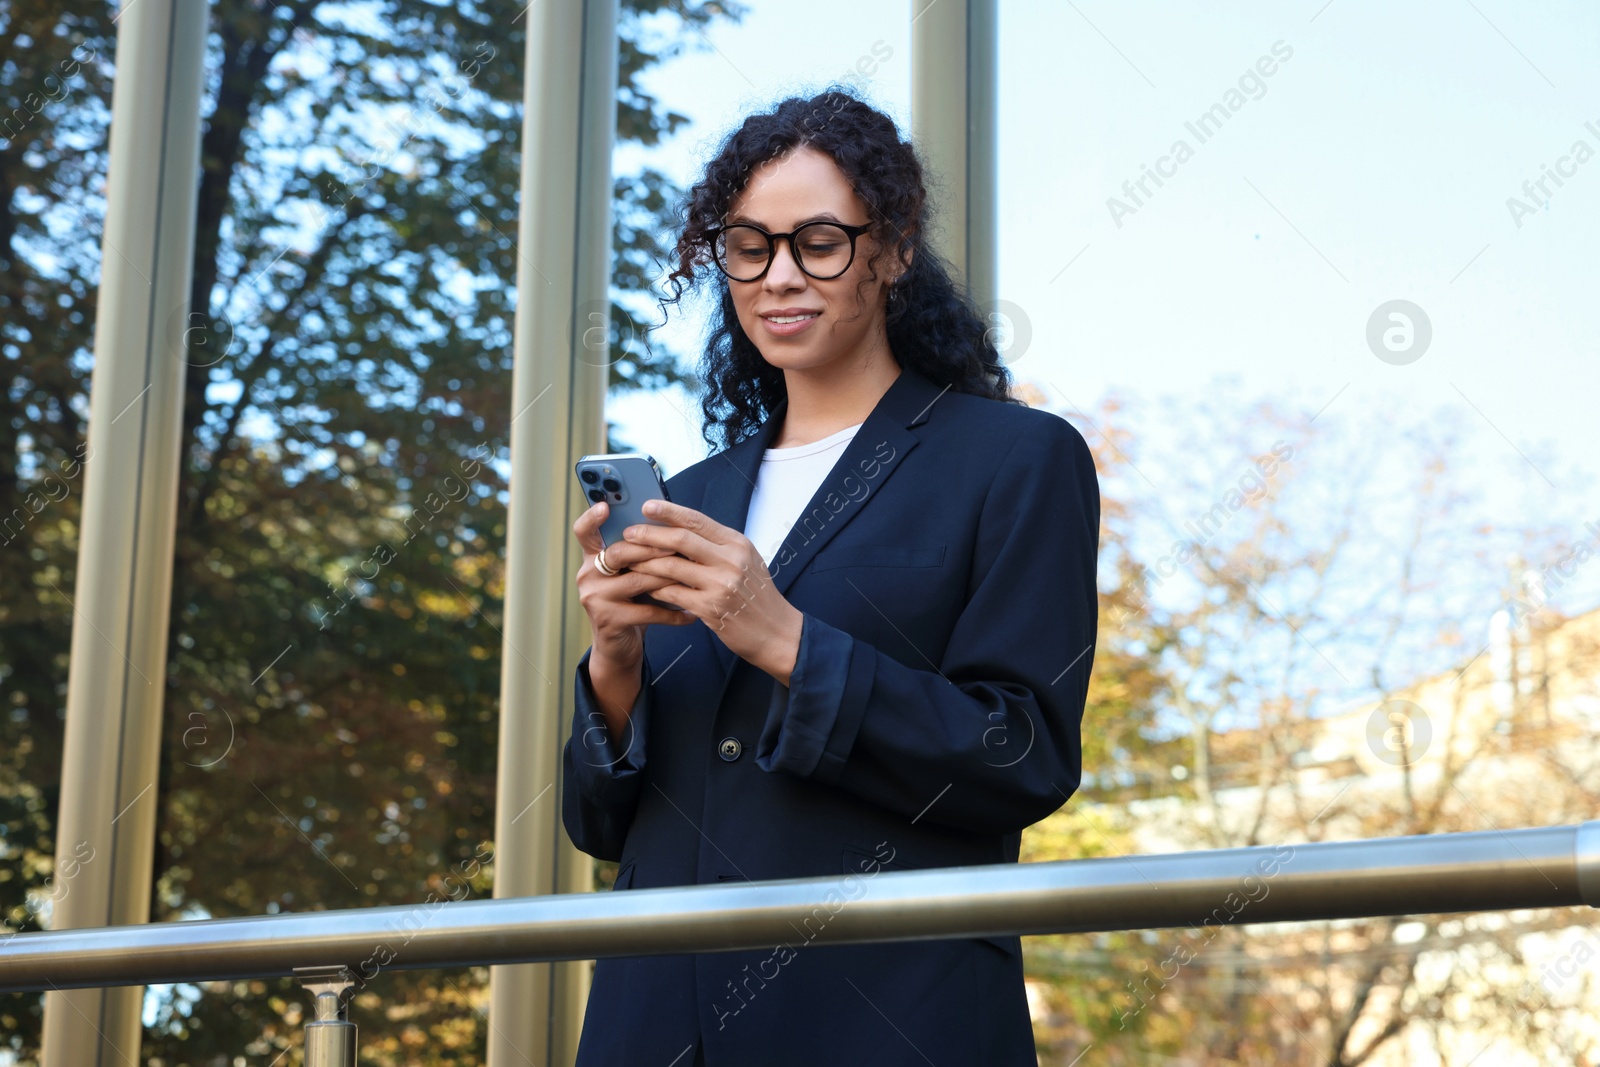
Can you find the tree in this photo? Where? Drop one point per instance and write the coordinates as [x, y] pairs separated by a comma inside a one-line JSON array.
[[335, 635], [1284, 589]]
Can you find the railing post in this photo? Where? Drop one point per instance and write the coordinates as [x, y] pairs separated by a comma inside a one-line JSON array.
[[330, 1036]]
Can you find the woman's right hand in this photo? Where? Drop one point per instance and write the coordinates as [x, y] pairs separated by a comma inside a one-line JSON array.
[[618, 623]]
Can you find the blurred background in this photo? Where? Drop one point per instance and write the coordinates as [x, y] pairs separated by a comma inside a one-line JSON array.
[[1308, 277]]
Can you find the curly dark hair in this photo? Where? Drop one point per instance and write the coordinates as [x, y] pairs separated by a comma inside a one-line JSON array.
[[933, 324]]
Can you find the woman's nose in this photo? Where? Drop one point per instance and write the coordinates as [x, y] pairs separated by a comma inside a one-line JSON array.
[[784, 272]]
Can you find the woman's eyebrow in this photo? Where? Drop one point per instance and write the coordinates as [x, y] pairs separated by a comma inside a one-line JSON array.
[[821, 216]]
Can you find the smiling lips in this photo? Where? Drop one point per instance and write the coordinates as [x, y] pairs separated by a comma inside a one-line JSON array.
[[785, 321]]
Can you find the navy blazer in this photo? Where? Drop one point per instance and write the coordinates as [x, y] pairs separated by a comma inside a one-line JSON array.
[[946, 572]]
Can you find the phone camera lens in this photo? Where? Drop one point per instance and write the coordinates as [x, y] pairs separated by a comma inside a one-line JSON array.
[[589, 476], [612, 485], [595, 496]]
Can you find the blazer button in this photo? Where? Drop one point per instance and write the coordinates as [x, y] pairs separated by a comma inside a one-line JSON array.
[[729, 749]]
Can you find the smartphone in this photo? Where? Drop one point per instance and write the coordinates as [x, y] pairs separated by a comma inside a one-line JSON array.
[[624, 480]]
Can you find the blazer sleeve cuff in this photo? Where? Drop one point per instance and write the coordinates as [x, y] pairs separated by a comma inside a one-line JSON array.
[[605, 767], [812, 723]]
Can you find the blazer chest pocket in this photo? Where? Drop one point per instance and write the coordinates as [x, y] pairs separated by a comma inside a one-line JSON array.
[[878, 556]]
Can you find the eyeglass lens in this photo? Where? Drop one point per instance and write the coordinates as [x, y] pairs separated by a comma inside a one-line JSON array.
[[821, 249]]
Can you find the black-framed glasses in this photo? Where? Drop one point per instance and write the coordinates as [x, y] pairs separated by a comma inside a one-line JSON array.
[[823, 250]]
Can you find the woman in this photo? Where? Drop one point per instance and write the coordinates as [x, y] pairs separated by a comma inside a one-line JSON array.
[[888, 606]]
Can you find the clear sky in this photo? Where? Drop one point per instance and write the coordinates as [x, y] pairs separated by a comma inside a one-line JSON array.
[[1375, 163]]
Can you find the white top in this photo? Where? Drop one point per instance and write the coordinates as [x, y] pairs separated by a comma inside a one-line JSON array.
[[789, 477]]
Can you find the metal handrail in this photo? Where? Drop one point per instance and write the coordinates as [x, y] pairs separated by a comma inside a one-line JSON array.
[[1463, 872]]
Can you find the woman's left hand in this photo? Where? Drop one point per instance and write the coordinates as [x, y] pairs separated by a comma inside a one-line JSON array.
[[723, 581]]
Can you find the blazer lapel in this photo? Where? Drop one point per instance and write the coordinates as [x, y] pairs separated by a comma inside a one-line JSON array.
[[868, 462]]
